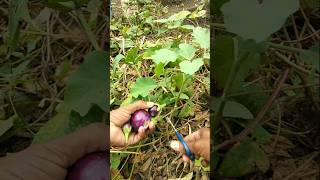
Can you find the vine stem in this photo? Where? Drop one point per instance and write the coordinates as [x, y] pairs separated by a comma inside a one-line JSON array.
[[232, 75], [259, 116], [87, 30]]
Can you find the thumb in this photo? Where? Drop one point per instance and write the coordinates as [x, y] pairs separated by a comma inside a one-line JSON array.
[[194, 146], [68, 149]]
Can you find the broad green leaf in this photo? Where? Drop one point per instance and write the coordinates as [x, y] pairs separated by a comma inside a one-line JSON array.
[[251, 19], [115, 160], [236, 110], [55, 127], [143, 86], [164, 56], [132, 55], [187, 51], [312, 56], [255, 99], [88, 85], [243, 159], [232, 109], [261, 134], [202, 37], [190, 67]]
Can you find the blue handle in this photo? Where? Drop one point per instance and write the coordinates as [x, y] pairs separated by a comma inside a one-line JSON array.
[[186, 147]]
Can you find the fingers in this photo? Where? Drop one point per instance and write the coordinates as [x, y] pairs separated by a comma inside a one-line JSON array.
[[122, 115], [142, 133], [138, 105], [73, 146], [197, 143]]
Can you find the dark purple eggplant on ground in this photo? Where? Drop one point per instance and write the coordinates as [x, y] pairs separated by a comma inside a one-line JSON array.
[[91, 167]]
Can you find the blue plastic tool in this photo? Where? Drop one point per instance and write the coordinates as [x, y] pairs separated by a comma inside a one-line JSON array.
[[183, 142]]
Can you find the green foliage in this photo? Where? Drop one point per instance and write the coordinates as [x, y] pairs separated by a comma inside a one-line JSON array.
[[261, 19], [87, 86], [164, 56], [190, 67], [233, 109], [18, 10], [66, 5], [55, 127], [187, 51], [243, 159], [142, 87], [202, 37]]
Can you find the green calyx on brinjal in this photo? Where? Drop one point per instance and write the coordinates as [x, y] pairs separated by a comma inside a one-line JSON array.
[[93, 166]]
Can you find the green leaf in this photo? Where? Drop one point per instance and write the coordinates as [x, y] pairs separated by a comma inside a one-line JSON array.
[[232, 109], [164, 56], [55, 127], [175, 17], [312, 56], [115, 160], [190, 67], [217, 5], [143, 86], [132, 55], [76, 121], [88, 85], [261, 134], [243, 159], [202, 37], [18, 9], [187, 51], [252, 20], [186, 110], [159, 69]]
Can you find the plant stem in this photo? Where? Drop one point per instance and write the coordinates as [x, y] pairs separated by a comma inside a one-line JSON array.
[[87, 30], [232, 75], [259, 116]]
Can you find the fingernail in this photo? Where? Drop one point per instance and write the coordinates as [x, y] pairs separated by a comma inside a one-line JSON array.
[[174, 145], [150, 104]]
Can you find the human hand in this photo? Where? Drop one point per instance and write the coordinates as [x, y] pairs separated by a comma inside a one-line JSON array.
[[122, 115], [51, 160], [198, 142]]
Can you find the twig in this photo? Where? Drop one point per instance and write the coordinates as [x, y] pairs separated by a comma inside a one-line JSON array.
[[258, 118], [299, 68], [315, 154]]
